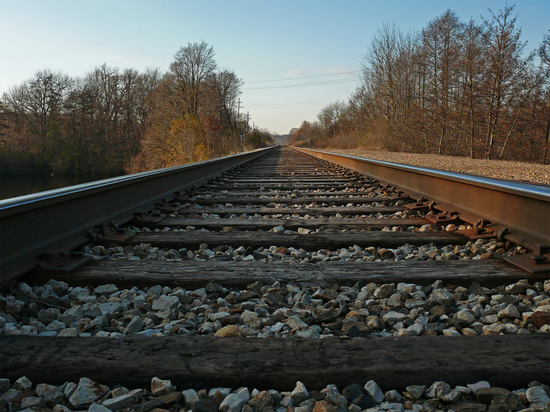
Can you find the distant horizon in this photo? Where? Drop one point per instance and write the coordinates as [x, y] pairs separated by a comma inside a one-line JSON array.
[[294, 57]]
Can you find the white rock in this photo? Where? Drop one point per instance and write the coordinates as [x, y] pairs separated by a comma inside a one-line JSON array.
[[465, 317], [96, 407], [161, 387], [299, 393], [438, 389], [248, 316], [191, 398], [393, 316], [124, 401], [50, 393], [22, 384], [509, 311], [87, 392], [107, 289], [135, 325], [538, 397], [164, 302], [235, 401], [372, 388], [294, 322]]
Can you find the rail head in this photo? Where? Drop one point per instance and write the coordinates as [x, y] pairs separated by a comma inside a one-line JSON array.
[[523, 208], [57, 220]]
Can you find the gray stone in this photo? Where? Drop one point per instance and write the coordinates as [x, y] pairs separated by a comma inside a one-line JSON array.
[[124, 401], [287, 402], [393, 396], [474, 387], [392, 407], [109, 307], [4, 385], [191, 398], [506, 403], [295, 322], [22, 384], [61, 408], [161, 387], [10, 395], [119, 392], [537, 396], [235, 401], [262, 401], [486, 395], [334, 398], [438, 389], [47, 315], [416, 391], [56, 326], [163, 303], [170, 398], [50, 393], [69, 389], [248, 316], [372, 388], [299, 393], [106, 290], [96, 407], [353, 391], [68, 333], [87, 392], [223, 392], [509, 311], [384, 291], [135, 325], [14, 305], [452, 396], [58, 286], [33, 402], [465, 317], [364, 402], [392, 316]]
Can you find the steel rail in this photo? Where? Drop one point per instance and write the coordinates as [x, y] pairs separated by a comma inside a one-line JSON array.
[[58, 220], [522, 208]]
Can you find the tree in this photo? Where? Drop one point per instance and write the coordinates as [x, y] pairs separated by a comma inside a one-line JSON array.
[[504, 70], [193, 65], [38, 103]]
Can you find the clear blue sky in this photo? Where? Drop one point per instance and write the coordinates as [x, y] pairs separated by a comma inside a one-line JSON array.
[[260, 40]]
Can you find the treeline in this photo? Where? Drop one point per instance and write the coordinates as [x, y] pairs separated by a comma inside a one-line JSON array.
[[116, 121], [454, 88]]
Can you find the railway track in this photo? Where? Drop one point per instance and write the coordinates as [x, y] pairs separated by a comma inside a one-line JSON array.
[[286, 268]]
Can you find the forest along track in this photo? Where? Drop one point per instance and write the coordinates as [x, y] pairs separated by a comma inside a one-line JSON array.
[[289, 269]]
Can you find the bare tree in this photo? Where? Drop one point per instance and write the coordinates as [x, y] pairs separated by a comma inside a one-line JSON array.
[[192, 66]]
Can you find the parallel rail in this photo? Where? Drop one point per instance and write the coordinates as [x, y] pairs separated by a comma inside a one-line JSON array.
[[57, 220], [272, 191], [524, 209]]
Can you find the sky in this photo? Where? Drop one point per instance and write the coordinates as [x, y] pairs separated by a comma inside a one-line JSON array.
[[294, 56]]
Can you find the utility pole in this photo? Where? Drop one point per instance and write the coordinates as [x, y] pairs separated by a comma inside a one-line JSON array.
[[247, 119], [238, 111]]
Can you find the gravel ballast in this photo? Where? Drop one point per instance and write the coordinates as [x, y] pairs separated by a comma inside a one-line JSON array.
[[162, 395], [276, 310], [503, 169]]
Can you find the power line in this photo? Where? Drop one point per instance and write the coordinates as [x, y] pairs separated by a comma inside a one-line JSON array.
[[304, 84], [303, 77], [286, 104]]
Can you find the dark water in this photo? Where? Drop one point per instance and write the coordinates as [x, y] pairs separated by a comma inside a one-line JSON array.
[[12, 186]]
